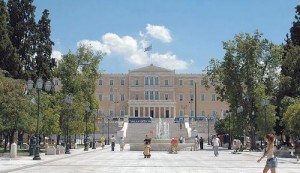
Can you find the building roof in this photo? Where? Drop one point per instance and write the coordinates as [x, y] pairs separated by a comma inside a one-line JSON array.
[[151, 68]]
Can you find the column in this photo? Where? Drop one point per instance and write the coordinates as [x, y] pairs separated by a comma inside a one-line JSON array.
[[128, 111], [139, 115], [159, 112], [144, 111], [149, 111], [174, 111]]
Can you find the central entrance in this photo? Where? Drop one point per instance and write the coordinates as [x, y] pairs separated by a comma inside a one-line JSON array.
[[151, 113], [167, 114]]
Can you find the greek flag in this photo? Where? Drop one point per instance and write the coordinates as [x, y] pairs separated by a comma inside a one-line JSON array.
[[148, 48]]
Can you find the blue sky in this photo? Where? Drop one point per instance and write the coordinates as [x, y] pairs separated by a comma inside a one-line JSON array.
[[185, 34]]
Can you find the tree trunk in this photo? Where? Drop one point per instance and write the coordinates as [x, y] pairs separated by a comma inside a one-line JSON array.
[[5, 142], [11, 138], [57, 140], [20, 137]]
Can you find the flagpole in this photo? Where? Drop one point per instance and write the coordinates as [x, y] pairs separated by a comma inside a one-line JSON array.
[[148, 49]]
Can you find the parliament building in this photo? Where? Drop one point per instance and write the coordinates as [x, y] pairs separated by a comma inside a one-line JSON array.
[[157, 92]]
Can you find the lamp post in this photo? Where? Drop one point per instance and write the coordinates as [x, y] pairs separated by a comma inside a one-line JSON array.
[[94, 112], [208, 141], [39, 87], [228, 113], [264, 103], [108, 130], [86, 148], [69, 102]]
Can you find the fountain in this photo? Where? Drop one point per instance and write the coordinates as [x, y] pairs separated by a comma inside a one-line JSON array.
[[162, 130]]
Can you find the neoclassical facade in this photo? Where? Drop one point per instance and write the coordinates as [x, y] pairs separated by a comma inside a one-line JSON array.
[[156, 92]]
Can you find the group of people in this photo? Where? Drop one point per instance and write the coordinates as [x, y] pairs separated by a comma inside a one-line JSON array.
[[198, 143], [113, 142]]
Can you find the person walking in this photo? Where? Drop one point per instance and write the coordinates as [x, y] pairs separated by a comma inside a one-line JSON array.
[[113, 142], [216, 143], [271, 162], [122, 144], [201, 143], [297, 149], [196, 143]]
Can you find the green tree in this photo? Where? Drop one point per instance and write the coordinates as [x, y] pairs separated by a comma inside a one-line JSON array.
[[15, 109], [32, 41], [292, 120], [249, 62], [78, 74], [44, 62], [290, 72], [8, 58]]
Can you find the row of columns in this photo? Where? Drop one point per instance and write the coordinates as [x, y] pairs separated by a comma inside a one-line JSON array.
[[157, 111]]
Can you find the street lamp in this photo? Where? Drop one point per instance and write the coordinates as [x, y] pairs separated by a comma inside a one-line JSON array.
[[228, 113], [68, 100], [86, 148], [108, 130], [208, 119], [39, 87], [94, 112], [264, 103]]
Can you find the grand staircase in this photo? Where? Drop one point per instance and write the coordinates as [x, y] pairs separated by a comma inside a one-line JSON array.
[[136, 131]]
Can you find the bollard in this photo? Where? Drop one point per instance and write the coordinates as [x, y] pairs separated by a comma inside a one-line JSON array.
[[13, 150]]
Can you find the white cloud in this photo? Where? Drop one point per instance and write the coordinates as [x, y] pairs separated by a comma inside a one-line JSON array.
[[95, 45], [169, 61], [159, 32], [57, 55], [132, 50]]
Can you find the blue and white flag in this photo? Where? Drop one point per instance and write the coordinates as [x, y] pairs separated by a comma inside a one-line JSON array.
[[148, 48]]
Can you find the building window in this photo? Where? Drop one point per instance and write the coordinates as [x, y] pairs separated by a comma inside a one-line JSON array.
[[122, 97], [122, 81], [181, 113], [166, 96], [151, 81], [100, 113], [202, 82], [156, 95], [192, 113], [146, 95], [214, 113], [166, 82], [191, 82], [100, 82], [122, 113], [180, 82], [136, 97], [146, 81], [202, 97], [111, 82], [111, 97], [203, 113], [136, 82], [213, 97], [180, 97], [156, 81], [192, 97], [111, 113], [100, 97], [151, 95]]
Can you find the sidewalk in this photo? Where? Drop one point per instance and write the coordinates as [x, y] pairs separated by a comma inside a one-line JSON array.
[[202, 161], [8, 164]]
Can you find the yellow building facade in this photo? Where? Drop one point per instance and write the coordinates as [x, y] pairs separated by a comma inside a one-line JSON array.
[[153, 91]]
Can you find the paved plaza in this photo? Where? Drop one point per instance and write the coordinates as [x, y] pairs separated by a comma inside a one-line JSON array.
[[133, 162]]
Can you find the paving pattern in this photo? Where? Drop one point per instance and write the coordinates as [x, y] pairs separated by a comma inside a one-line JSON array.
[[133, 162]]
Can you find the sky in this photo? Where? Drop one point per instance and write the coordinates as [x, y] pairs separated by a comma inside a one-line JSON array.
[[184, 34]]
